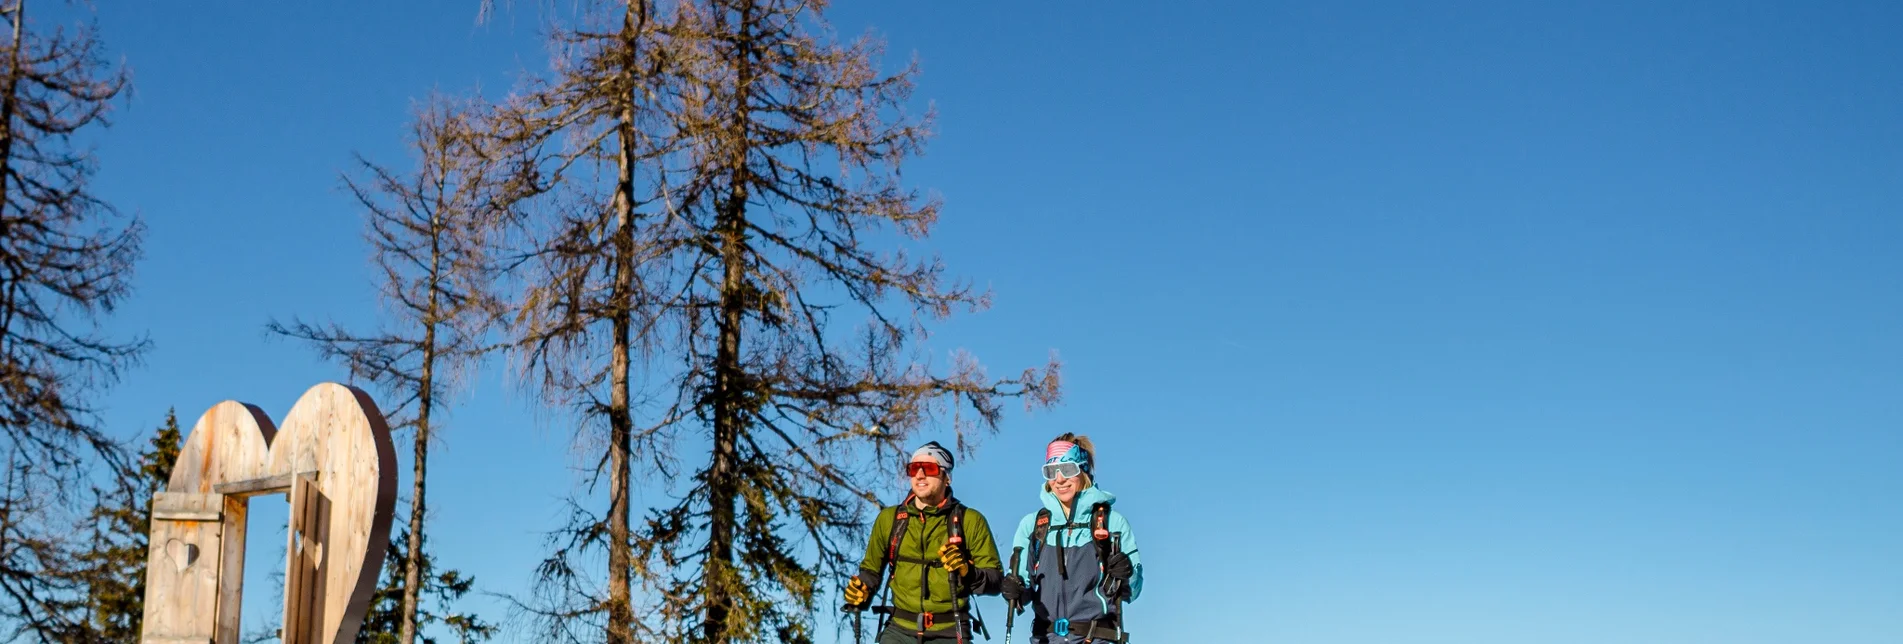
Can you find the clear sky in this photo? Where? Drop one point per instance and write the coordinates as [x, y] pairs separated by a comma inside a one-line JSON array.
[[1396, 322]]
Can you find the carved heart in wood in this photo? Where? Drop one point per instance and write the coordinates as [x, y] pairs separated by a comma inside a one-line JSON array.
[[182, 554], [310, 548], [336, 439]]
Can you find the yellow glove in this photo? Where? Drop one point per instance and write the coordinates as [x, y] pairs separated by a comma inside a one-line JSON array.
[[954, 559], [856, 592]]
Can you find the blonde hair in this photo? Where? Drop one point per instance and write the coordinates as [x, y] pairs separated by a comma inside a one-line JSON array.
[[1089, 449]]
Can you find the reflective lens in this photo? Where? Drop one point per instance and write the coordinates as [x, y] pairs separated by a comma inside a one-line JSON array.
[[1056, 471], [922, 467]]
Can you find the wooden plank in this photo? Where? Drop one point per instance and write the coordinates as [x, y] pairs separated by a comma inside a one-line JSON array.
[[186, 503], [274, 484], [174, 515], [186, 506], [252, 487], [226, 629], [302, 602]]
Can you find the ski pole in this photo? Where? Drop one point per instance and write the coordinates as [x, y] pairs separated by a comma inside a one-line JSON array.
[[858, 623], [958, 622], [1123, 632], [1011, 607], [858, 617]]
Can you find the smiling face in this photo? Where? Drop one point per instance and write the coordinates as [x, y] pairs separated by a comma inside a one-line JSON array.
[[1066, 488], [928, 487], [1067, 464]]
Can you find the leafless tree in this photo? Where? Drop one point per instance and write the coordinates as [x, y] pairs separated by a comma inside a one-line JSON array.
[[430, 231], [719, 191], [787, 179], [66, 260], [586, 311]]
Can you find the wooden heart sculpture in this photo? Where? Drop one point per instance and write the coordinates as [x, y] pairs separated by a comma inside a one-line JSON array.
[[334, 458]]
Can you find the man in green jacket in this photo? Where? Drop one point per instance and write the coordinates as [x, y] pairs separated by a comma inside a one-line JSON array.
[[940, 552]]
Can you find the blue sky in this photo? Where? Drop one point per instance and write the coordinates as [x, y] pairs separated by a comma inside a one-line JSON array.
[[1396, 322]]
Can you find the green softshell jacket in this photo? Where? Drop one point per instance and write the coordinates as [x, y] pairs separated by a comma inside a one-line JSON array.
[[917, 562]]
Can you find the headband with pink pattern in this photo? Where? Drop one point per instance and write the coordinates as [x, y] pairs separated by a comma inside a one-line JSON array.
[[1067, 452]]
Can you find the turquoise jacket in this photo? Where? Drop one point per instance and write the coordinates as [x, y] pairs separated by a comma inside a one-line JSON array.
[[1064, 575]]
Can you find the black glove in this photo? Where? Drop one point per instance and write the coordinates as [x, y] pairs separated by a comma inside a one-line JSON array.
[[1014, 591], [1116, 575]]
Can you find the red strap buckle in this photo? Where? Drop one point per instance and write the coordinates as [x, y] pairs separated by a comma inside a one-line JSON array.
[[925, 621]]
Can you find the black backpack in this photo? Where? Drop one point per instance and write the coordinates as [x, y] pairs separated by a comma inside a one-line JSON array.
[[1099, 535]]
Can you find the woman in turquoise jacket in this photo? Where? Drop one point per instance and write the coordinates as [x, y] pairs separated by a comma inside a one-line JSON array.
[[1074, 562]]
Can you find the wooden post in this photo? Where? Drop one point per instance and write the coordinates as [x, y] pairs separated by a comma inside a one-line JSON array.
[[303, 572], [231, 571]]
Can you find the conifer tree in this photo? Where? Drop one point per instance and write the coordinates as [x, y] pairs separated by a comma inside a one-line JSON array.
[[383, 624], [119, 530]]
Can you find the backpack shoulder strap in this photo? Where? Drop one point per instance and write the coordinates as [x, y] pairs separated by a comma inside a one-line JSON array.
[[900, 514], [1041, 527]]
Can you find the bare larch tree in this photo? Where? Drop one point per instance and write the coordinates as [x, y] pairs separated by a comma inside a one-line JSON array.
[[787, 178], [429, 229], [585, 312], [718, 176], [66, 260]]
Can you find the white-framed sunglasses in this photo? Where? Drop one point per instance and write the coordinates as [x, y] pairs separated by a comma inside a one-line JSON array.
[[1065, 470]]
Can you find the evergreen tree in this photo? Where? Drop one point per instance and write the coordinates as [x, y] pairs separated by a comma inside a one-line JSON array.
[[383, 624], [120, 526]]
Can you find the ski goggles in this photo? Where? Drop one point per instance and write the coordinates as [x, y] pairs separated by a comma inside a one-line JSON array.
[[1062, 469], [927, 468]]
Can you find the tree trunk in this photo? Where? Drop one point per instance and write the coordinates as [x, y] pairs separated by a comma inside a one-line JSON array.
[[413, 558], [729, 376], [620, 417], [9, 104], [723, 473]]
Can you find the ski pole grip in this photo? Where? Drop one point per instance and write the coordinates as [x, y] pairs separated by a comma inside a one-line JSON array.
[[1012, 607]]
